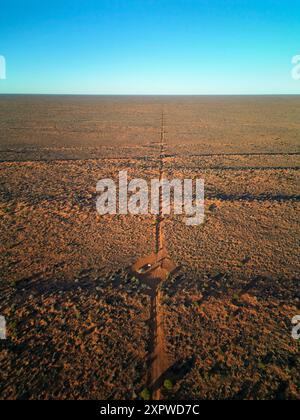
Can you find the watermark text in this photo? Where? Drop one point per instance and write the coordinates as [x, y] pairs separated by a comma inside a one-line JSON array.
[[138, 197], [296, 68], [296, 328], [2, 328], [2, 68]]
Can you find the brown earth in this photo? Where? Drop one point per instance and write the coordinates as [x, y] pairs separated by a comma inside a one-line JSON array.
[[78, 323]]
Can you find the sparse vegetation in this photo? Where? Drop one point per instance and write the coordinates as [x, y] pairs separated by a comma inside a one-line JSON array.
[[77, 321], [168, 385], [145, 394]]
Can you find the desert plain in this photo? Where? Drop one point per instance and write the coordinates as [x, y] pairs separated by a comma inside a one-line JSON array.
[[78, 322]]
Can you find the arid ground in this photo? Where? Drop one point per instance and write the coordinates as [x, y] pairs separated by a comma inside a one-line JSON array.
[[78, 323]]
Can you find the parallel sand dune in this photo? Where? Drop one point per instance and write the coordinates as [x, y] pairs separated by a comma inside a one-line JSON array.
[[78, 323]]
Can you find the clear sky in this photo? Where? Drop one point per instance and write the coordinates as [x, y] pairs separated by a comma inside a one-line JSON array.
[[149, 46]]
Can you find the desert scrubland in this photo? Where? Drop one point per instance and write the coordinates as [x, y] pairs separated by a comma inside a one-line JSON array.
[[77, 322]]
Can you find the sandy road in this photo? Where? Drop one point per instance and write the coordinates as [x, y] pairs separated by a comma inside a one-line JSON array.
[[158, 357], [154, 269]]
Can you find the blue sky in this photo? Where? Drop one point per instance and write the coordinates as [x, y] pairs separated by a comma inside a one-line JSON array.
[[150, 46]]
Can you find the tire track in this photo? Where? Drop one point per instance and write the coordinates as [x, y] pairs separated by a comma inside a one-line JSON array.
[[175, 155]]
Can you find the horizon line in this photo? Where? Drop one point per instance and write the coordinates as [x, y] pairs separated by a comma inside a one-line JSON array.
[[149, 94]]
